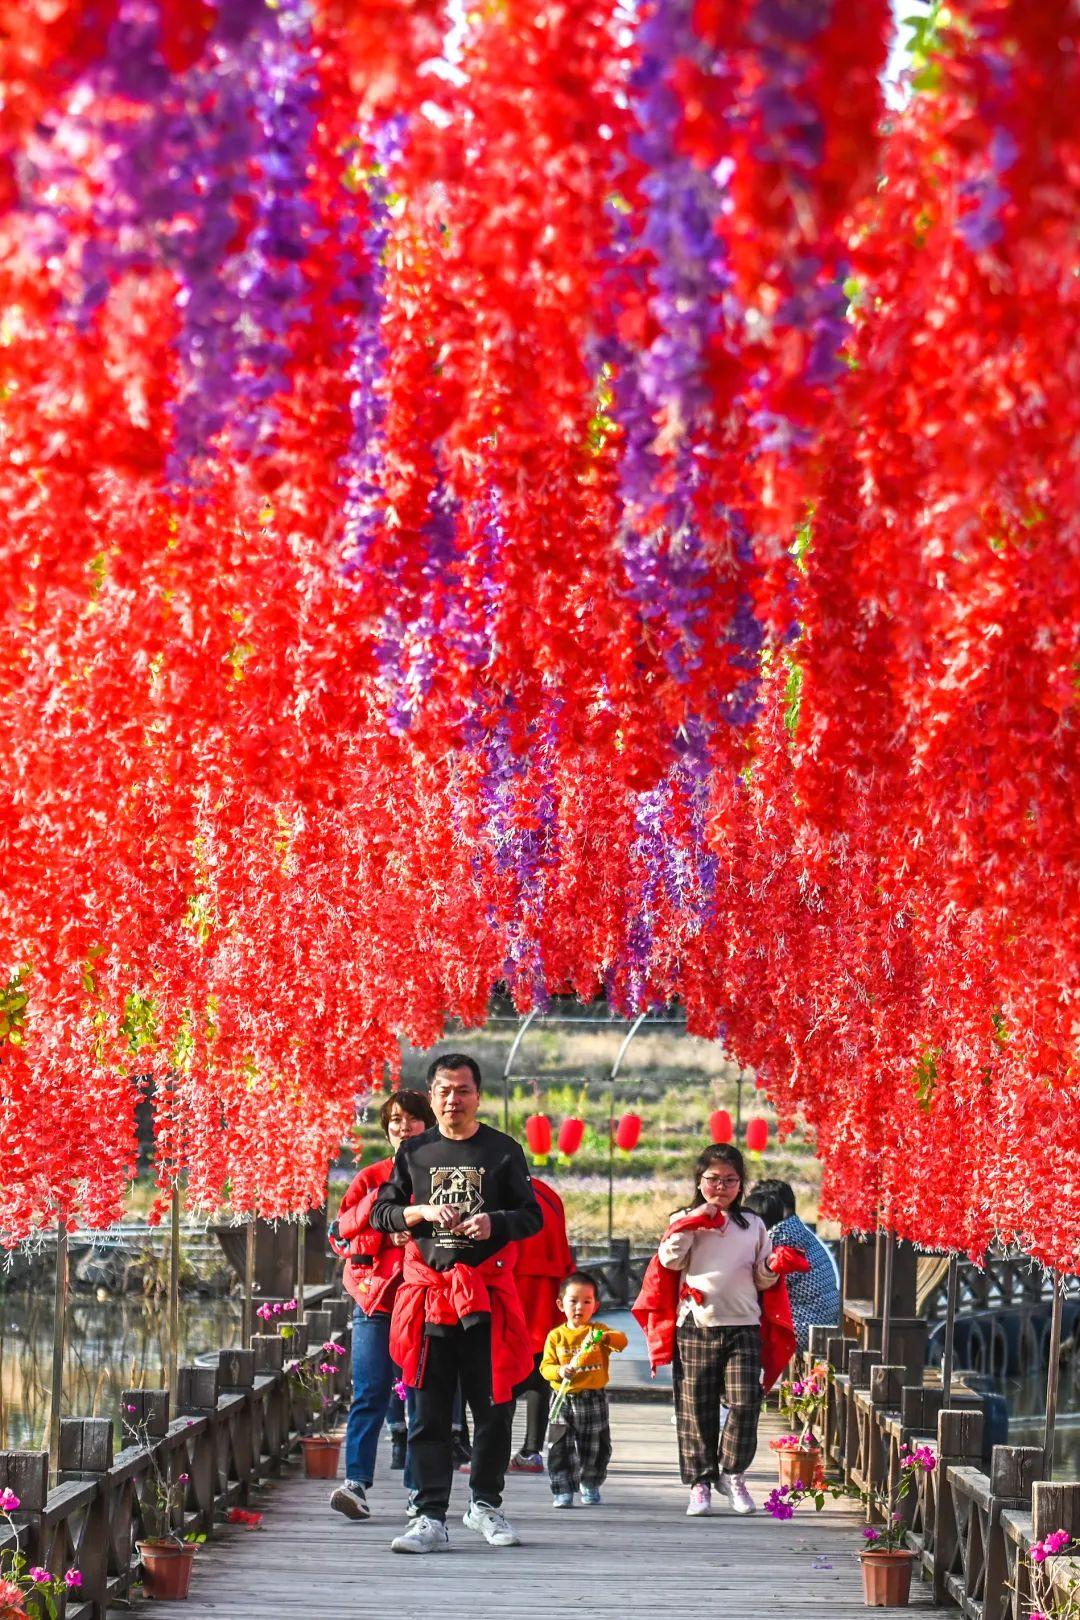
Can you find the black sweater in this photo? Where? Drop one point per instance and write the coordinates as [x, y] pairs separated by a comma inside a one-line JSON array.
[[484, 1175]]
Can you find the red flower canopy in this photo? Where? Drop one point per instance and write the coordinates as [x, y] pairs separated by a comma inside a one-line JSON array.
[[557, 495]]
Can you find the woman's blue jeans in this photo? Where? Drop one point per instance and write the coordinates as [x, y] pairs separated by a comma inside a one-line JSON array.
[[374, 1375]]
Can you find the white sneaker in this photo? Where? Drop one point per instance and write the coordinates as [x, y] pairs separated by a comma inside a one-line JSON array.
[[490, 1523], [700, 1504], [424, 1535], [734, 1488]]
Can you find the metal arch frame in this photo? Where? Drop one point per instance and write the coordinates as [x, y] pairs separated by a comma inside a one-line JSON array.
[[509, 1064], [628, 1037], [609, 1080]]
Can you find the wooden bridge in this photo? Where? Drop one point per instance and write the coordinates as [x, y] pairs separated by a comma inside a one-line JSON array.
[[233, 1431], [636, 1553]]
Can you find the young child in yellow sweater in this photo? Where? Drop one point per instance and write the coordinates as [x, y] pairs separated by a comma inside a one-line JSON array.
[[577, 1355]]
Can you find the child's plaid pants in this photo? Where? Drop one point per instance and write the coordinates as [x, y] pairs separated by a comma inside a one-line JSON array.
[[580, 1446]]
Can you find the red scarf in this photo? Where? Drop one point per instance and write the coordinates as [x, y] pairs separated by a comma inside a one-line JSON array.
[[443, 1298]]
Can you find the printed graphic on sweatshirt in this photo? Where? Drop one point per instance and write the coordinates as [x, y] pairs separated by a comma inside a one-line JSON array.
[[463, 1187]]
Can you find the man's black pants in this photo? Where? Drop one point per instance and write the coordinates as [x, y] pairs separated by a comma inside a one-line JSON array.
[[455, 1353]]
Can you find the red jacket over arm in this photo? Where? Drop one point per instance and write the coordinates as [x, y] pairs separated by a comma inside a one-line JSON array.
[[373, 1262], [445, 1297]]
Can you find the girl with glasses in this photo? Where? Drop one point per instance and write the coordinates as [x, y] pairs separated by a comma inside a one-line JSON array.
[[722, 1251]]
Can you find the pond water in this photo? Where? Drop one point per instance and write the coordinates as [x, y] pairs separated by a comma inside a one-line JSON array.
[[1026, 1402], [112, 1344]]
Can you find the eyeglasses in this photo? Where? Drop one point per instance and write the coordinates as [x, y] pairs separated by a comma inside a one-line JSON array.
[[720, 1181]]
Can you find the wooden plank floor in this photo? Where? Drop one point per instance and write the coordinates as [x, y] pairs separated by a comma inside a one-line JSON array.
[[636, 1554]]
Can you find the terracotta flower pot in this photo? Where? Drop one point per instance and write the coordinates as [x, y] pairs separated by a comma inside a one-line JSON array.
[[166, 1568], [798, 1467], [320, 1456], [886, 1578]]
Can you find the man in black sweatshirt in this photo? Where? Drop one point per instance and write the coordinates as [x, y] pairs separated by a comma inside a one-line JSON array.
[[462, 1192]]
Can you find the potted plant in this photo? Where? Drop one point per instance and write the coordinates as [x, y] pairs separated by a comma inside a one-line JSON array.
[[1049, 1599], [802, 1401], [165, 1553], [312, 1380], [886, 1560], [27, 1591]]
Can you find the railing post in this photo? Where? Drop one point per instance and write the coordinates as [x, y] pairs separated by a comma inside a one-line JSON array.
[[144, 1414], [959, 1441], [860, 1365], [818, 1343], [236, 1369], [1013, 1472], [86, 1448], [269, 1350], [1054, 1507], [341, 1311], [886, 1390], [320, 1325], [148, 1414], [26, 1473], [236, 1375], [197, 1396], [86, 1453]]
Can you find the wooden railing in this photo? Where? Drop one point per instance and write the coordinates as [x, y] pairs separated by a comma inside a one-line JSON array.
[[617, 1271], [975, 1518], [1001, 1282], [232, 1426]]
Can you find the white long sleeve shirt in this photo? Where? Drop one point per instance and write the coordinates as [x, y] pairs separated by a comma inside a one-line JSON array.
[[726, 1267]]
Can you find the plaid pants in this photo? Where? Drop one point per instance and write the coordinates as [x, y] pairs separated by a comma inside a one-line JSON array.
[[714, 1365], [580, 1445]]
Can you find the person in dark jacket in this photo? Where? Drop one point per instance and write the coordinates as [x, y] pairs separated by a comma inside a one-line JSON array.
[[463, 1194]]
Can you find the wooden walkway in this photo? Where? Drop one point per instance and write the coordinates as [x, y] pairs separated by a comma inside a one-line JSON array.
[[636, 1554]]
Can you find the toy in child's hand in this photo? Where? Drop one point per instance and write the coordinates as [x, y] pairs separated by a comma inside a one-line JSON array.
[[590, 1342]]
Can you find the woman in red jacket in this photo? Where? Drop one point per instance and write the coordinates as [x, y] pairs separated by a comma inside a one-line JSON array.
[[372, 1272]]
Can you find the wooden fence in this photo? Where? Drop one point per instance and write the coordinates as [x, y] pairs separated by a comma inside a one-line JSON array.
[[230, 1427], [975, 1517]]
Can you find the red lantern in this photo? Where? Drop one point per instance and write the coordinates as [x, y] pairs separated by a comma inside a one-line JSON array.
[[757, 1135], [628, 1132], [538, 1132], [571, 1132], [720, 1126]]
